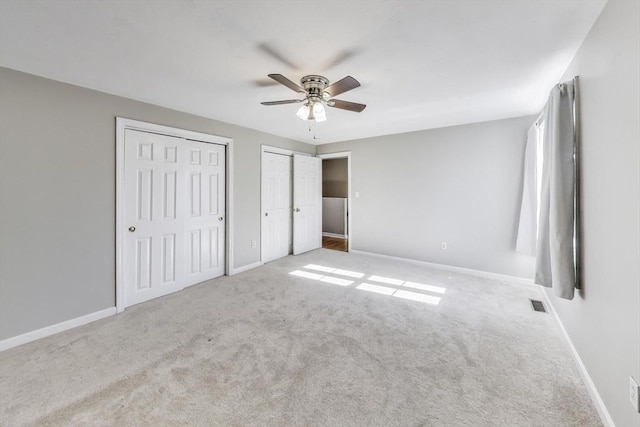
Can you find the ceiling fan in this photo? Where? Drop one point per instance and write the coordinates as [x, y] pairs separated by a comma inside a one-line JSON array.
[[317, 93]]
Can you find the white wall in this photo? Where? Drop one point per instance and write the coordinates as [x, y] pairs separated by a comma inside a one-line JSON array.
[[459, 185], [57, 192], [603, 320]]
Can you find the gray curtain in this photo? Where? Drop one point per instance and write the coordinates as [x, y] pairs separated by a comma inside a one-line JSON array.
[[555, 265]]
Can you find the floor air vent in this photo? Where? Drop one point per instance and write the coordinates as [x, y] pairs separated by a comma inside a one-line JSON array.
[[538, 306]]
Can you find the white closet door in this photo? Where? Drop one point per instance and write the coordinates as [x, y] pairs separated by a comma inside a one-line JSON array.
[[307, 203], [205, 232], [153, 259], [174, 206], [276, 206]]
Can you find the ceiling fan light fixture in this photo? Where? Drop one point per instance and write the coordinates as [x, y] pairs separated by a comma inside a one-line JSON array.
[[303, 112], [319, 113]]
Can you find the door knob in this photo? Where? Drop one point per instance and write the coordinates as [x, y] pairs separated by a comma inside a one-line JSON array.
[[297, 210], [220, 219], [132, 229], [266, 214]]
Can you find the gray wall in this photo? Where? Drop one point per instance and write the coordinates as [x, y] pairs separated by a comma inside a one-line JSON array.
[[603, 321], [334, 178], [57, 192], [459, 185]]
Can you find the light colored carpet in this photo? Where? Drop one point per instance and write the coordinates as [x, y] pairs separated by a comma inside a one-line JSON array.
[[267, 348]]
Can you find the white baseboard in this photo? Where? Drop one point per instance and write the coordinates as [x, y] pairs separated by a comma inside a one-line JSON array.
[[485, 274], [605, 417], [337, 236], [246, 268], [54, 329]]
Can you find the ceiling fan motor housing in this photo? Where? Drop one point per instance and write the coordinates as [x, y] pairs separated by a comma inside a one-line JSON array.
[[314, 86]]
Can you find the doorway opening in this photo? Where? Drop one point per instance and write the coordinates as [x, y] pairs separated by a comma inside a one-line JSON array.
[[336, 205]]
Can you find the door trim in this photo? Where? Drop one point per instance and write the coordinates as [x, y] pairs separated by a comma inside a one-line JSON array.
[[274, 150], [343, 155], [123, 124]]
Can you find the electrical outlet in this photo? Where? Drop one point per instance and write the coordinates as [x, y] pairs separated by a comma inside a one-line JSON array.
[[634, 394], [253, 243], [444, 245]]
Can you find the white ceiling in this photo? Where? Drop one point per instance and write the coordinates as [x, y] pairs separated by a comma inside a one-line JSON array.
[[422, 64]]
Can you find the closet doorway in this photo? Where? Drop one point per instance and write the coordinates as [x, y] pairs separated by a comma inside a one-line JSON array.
[[336, 201], [171, 209], [291, 203]]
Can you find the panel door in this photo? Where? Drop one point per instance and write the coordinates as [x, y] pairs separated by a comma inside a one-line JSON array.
[[276, 206], [205, 205], [153, 183], [307, 203], [174, 206]]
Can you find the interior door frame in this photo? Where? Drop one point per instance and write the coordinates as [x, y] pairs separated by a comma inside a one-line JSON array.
[[344, 155], [274, 150], [122, 124]]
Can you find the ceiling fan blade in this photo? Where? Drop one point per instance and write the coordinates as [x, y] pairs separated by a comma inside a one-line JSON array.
[[286, 82], [341, 86], [263, 83], [339, 59], [286, 101], [276, 54], [346, 105]]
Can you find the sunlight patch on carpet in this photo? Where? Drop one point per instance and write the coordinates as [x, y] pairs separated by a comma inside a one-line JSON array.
[[392, 287], [333, 270], [320, 277], [376, 288]]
